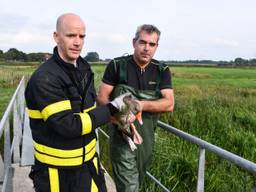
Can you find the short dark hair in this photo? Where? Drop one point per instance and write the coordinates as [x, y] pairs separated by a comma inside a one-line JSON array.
[[149, 29]]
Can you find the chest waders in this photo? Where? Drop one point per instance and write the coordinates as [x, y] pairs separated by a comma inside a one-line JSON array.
[[129, 167]]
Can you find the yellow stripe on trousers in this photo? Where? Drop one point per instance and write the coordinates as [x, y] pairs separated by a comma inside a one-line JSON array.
[[54, 179]]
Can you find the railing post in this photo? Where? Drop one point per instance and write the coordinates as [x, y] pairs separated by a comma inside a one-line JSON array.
[[201, 169], [1, 170], [17, 131], [7, 144], [18, 116], [98, 142]]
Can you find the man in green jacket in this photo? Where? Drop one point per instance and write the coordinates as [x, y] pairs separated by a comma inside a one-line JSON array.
[[150, 82]]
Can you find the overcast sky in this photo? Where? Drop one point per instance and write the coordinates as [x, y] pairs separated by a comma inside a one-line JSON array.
[[191, 29]]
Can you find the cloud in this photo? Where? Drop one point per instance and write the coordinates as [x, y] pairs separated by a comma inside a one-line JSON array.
[[118, 38], [226, 42], [108, 45], [11, 23], [114, 38], [23, 39]]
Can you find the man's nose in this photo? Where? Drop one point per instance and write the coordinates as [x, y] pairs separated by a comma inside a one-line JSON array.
[[77, 41], [146, 47]]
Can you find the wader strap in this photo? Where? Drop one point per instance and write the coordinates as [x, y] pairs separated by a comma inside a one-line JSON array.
[[54, 179], [122, 65], [161, 68]]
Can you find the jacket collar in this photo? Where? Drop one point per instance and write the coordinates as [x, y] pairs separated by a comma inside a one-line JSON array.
[[81, 63]]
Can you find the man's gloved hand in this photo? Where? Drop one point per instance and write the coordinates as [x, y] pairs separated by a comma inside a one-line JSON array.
[[118, 102]]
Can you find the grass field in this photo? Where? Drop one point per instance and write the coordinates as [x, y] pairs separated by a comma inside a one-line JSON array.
[[215, 104]]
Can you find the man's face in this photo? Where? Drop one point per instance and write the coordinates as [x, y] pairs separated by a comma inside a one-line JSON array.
[[145, 47], [70, 39]]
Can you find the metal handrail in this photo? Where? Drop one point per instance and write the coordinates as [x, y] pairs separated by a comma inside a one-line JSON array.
[[241, 162], [164, 188], [203, 145], [9, 107], [16, 108]]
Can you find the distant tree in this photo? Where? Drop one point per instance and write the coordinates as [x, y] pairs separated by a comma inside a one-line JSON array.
[[252, 62], [14, 55], [36, 57], [92, 57], [1, 54], [240, 61]]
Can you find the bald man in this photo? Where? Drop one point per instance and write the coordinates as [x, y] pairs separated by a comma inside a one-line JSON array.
[[60, 97]]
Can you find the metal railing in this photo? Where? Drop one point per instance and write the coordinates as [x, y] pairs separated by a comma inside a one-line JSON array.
[[12, 122], [164, 188], [203, 146]]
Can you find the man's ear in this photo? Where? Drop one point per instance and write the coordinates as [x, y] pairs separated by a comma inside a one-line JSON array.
[[133, 42], [56, 37]]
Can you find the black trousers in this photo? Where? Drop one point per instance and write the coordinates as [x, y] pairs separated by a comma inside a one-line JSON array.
[[82, 179]]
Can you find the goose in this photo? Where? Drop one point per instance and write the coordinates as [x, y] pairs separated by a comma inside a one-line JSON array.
[[123, 120]]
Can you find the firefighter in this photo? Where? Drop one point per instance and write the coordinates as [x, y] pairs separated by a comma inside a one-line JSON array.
[[150, 82], [60, 97]]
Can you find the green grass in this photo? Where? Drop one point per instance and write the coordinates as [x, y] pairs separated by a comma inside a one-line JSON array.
[[215, 104], [234, 77], [5, 96]]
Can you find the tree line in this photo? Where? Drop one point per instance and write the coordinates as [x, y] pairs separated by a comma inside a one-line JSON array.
[[237, 62], [14, 54]]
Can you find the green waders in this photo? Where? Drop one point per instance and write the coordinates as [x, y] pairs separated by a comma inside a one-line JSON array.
[[129, 167]]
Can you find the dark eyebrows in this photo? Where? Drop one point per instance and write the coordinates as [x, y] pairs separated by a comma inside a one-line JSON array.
[[151, 44], [74, 35], [82, 36]]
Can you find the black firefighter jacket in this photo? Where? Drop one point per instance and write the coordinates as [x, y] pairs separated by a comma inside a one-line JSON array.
[[61, 106]]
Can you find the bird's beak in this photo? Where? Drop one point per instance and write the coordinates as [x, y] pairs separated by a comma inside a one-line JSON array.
[[139, 117]]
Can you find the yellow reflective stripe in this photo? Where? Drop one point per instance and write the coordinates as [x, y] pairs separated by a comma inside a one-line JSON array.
[[57, 161], [34, 114], [94, 187], [89, 109], [64, 153], [58, 152], [64, 162], [55, 108], [95, 162], [90, 155], [54, 179], [86, 123], [90, 146]]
